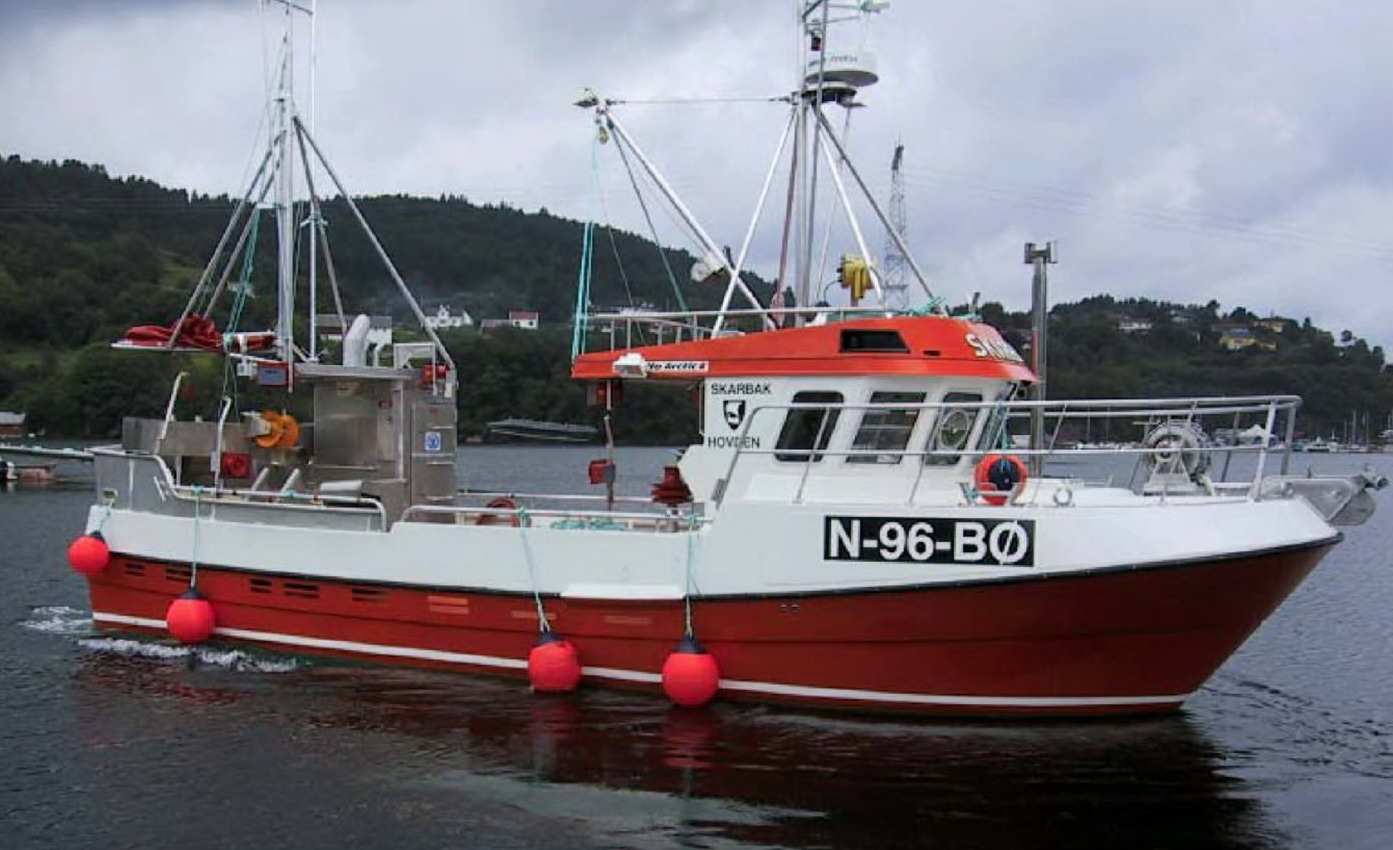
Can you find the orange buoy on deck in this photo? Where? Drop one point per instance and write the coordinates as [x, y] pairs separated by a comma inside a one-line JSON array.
[[190, 618], [690, 674], [89, 554], [553, 665]]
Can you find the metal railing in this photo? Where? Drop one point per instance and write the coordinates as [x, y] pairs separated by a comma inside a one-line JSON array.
[[991, 434], [200, 497], [677, 326], [520, 511]]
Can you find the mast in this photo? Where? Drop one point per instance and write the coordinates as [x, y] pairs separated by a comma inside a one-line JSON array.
[[284, 200], [313, 220]]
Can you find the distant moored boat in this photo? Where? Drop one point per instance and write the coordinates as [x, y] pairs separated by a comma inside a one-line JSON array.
[[539, 431]]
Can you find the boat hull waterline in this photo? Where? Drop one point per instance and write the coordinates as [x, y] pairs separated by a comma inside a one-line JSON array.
[[1119, 640]]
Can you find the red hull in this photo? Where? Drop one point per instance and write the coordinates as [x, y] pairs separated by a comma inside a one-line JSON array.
[[1105, 642]]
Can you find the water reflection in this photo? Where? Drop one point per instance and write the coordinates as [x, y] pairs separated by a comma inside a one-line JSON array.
[[487, 758]]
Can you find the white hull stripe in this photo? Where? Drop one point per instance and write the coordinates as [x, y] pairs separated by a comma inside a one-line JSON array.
[[772, 688]]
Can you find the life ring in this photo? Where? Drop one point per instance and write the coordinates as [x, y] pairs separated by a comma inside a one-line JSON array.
[[996, 476], [502, 503], [283, 433]]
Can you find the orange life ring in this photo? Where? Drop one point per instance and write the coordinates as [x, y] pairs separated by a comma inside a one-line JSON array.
[[284, 433], [996, 476], [502, 503]]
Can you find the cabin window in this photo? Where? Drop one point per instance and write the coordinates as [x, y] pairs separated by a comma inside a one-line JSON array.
[[884, 432], [952, 429], [807, 430], [873, 340]]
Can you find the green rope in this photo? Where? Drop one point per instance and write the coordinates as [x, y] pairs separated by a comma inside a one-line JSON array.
[[687, 583], [244, 281], [930, 307], [234, 318], [531, 570], [587, 258], [193, 558], [582, 318]]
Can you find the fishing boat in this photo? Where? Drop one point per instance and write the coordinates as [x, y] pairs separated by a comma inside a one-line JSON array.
[[856, 528]]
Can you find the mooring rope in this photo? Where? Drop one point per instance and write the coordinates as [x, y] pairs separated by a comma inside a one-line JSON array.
[[193, 558], [531, 570]]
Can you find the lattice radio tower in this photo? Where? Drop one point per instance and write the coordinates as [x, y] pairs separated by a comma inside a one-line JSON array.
[[895, 272]]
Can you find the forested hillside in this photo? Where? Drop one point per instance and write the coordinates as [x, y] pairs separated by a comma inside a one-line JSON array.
[[83, 256]]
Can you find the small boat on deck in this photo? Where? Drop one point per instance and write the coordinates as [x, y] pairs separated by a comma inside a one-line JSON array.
[[856, 528]]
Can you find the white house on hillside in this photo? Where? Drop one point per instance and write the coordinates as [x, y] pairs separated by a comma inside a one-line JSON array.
[[445, 320], [525, 319]]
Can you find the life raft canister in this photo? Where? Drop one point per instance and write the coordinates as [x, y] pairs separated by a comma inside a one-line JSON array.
[[996, 476]]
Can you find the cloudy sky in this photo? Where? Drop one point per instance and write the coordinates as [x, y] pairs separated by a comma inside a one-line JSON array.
[[1188, 150]]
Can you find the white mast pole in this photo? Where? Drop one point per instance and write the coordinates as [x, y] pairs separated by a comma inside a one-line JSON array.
[[814, 106], [855, 225], [285, 188], [314, 209], [754, 221]]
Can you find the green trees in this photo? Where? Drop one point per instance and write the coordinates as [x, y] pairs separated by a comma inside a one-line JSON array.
[[84, 256]]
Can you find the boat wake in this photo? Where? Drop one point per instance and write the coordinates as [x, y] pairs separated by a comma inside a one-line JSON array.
[[58, 619], [1306, 732], [237, 660], [65, 620]]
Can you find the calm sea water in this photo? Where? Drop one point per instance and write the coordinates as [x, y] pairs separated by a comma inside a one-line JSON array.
[[115, 743]]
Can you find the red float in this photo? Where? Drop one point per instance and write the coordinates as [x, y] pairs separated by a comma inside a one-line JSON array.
[[553, 666], [190, 618], [690, 674], [89, 554], [672, 490], [235, 465]]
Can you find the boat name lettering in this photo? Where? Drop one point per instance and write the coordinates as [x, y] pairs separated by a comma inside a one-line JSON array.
[[997, 349], [732, 442], [660, 366], [742, 388], [982, 542]]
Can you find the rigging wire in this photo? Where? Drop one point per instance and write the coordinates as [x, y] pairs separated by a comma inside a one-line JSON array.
[[680, 101], [609, 224], [667, 267]]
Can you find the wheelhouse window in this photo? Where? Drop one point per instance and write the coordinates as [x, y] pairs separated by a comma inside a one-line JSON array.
[[884, 432], [952, 429], [807, 430]]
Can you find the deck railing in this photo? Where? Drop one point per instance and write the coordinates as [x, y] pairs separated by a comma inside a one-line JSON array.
[[1186, 459], [632, 328]]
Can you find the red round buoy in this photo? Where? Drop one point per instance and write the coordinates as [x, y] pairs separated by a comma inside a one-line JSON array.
[[89, 554], [690, 674], [190, 618], [553, 666]]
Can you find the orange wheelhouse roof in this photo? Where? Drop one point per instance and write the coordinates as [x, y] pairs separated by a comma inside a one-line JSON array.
[[905, 346]]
